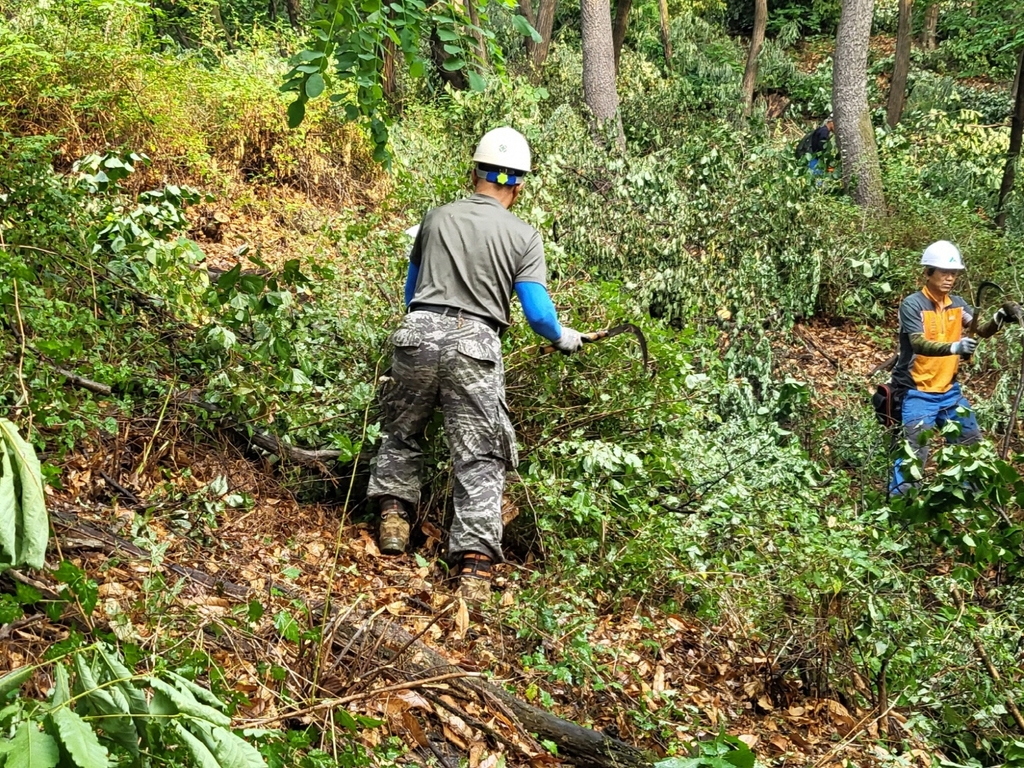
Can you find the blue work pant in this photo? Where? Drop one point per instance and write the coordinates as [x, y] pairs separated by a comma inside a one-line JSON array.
[[923, 411]]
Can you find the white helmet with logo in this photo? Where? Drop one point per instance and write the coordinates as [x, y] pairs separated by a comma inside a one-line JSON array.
[[943, 255], [504, 148]]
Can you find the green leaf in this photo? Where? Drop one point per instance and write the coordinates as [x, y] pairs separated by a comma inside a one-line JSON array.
[[526, 29], [446, 35], [417, 68], [454, 64], [203, 757], [79, 739], [23, 534], [201, 694], [12, 681], [230, 750], [476, 81], [315, 85], [110, 704], [187, 704], [296, 112], [30, 748]]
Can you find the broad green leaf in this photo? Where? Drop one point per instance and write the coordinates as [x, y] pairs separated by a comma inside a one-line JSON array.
[[31, 748], [526, 29], [187, 704], [203, 757], [113, 669], [113, 717], [296, 112], [202, 694], [79, 739], [21, 492], [454, 64], [417, 68], [61, 687], [315, 85], [476, 81], [230, 750], [14, 680]]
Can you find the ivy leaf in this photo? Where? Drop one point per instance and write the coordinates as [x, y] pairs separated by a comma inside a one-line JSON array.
[[296, 112], [454, 64], [30, 748], [315, 85], [79, 739]]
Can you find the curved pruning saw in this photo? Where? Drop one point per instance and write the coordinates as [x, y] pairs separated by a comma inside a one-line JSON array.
[[607, 333]]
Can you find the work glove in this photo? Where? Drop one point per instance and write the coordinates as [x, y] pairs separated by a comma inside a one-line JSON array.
[[570, 341], [964, 347], [1011, 310]]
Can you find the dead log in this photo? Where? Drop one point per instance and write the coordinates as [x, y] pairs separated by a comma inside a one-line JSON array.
[[576, 744]]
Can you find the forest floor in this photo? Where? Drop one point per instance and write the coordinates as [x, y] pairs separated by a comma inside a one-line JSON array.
[[689, 678]]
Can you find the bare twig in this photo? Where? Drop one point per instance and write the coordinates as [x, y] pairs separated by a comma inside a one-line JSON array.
[[332, 703]]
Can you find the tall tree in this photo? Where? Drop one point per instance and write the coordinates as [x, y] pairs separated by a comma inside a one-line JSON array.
[[666, 41], [622, 9], [481, 46], [599, 69], [1016, 134], [900, 70], [855, 135], [756, 41], [544, 23], [929, 30]]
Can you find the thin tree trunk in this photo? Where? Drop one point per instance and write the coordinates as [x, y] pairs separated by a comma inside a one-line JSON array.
[[545, 25], [481, 46], [855, 135], [599, 90], [622, 9], [898, 86], [666, 42], [219, 20], [756, 41], [272, 10], [931, 26], [1016, 134], [294, 13]]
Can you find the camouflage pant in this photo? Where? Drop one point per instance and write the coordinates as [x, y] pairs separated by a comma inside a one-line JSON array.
[[454, 362]]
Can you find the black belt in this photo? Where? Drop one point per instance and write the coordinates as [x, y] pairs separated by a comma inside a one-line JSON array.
[[441, 309]]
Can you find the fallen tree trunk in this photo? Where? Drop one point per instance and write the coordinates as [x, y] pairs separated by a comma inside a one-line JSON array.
[[389, 644]]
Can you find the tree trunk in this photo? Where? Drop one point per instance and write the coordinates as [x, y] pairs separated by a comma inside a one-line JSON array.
[[294, 13], [622, 8], [545, 24], [599, 70], [931, 26], [219, 20], [1016, 134], [272, 10], [898, 86], [666, 42], [855, 135], [481, 46], [756, 41]]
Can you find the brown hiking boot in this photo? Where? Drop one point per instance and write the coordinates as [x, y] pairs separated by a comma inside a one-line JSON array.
[[475, 578], [394, 528]]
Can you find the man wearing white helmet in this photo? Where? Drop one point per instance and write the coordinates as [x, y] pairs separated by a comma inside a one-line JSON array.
[[467, 260], [932, 323]]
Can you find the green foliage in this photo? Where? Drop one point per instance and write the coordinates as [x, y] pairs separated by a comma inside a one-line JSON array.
[[724, 752], [362, 41], [99, 714], [983, 38], [24, 524]]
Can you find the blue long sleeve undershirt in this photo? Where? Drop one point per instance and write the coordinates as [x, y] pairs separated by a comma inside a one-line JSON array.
[[537, 305], [410, 282], [539, 310]]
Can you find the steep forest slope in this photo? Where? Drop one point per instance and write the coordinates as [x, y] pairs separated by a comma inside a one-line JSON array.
[[703, 562]]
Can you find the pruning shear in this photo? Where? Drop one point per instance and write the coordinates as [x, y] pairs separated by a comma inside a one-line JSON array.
[[973, 327]]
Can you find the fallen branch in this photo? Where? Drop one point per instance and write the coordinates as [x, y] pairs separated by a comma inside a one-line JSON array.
[[886, 365]]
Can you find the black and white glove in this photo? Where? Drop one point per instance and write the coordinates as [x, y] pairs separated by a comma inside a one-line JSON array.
[[964, 347], [1011, 310], [570, 341]]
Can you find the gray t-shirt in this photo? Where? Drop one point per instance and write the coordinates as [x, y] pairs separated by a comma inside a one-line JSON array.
[[470, 255]]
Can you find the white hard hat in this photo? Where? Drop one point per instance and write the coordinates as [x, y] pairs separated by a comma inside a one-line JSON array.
[[942, 254], [413, 231], [504, 148]]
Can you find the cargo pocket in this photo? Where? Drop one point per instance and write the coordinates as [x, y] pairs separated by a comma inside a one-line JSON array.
[[485, 350]]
